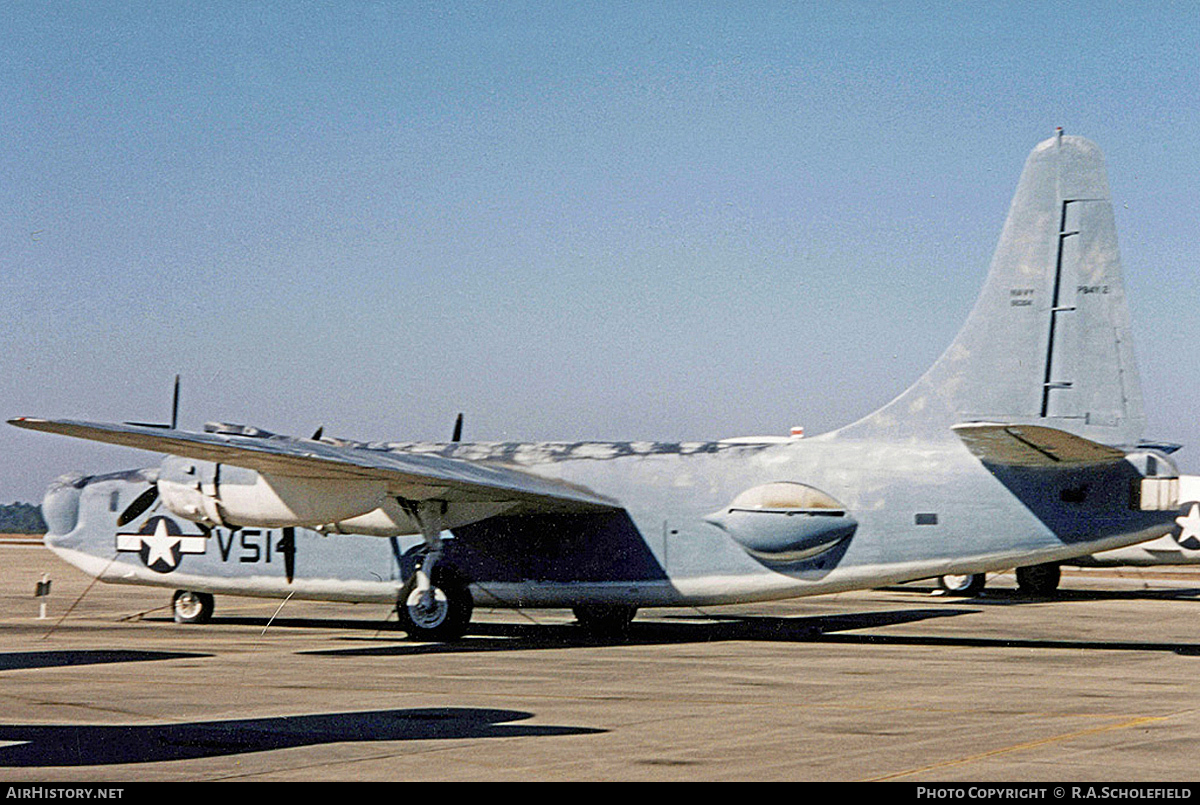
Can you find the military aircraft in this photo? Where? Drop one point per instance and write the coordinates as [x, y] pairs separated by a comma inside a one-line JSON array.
[[1179, 546], [1021, 445]]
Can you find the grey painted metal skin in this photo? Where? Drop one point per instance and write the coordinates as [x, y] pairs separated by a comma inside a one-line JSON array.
[[907, 496], [81, 513]]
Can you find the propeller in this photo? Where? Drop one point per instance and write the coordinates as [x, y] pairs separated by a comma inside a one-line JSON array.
[[145, 500], [138, 506], [175, 405], [174, 412], [287, 546]]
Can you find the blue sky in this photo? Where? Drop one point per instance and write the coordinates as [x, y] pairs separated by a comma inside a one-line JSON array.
[[568, 220]]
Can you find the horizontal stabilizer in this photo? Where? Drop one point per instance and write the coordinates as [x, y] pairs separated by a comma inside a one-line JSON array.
[[408, 475], [1033, 446]]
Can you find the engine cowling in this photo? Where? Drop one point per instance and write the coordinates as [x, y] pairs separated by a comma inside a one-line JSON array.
[[393, 520], [225, 495]]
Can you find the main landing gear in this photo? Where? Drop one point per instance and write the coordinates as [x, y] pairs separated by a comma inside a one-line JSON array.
[[435, 603], [969, 585], [1034, 580], [605, 619], [1039, 580], [441, 611]]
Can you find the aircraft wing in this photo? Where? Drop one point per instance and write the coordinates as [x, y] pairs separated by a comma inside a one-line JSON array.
[[411, 475], [1033, 446]]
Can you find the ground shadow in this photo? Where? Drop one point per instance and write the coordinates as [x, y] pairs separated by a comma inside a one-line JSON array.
[[341, 624], [21, 660], [1182, 649], [85, 745], [671, 630], [681, 629], [1008, 596]]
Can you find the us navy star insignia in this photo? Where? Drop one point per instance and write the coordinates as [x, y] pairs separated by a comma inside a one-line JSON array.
[[160, 544], [1189, 528]]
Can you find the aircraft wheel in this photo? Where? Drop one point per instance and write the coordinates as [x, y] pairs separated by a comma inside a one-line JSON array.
[[970, 584], [607, 619], [1039, 580], [446, 617], [191, 607]]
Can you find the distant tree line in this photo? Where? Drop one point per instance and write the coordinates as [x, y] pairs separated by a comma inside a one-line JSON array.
[[21, 518]]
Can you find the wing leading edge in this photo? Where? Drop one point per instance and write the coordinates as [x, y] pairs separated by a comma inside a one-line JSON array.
[[407, 475]]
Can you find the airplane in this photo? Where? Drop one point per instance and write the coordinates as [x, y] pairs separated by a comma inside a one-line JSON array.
[[1179, 546], [1021, 445]]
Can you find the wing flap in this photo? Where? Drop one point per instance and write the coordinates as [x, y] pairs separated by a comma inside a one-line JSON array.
[[1033, 446], [415, 476]]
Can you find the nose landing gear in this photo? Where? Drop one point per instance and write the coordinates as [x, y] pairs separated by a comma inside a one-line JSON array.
[[191, 607]]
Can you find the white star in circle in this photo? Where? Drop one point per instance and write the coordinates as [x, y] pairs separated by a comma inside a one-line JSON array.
[[1189, 526], [160, 544]]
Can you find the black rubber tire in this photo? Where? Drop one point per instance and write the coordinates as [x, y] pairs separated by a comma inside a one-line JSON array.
[[451, 620], [191, 607], [1039, 580], [605, 619], [967, 585]]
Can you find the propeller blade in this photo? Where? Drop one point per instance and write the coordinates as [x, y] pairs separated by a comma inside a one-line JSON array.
[[288, 546], [139, 505], [175, 405], [174, 412]]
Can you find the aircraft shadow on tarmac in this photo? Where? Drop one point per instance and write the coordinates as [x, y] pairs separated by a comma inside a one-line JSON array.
[[674, 628], [681, 629], [677, 629], [1161, 594], [87, 745], [1012, 597], [671, 630], [23, 660], [834, 630]]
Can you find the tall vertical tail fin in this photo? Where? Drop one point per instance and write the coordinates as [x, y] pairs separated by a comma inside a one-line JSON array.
[[1048, 341]]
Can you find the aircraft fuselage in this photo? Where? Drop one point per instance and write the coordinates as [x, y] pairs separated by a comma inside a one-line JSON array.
[[918, 510]]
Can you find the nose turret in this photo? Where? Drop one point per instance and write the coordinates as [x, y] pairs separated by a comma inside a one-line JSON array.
[[60, 505], [80, 508]]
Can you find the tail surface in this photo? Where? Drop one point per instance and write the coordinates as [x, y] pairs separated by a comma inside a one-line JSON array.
[[1048, 341]]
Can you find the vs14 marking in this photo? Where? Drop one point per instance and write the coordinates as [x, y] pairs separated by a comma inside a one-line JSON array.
[[161, 544]]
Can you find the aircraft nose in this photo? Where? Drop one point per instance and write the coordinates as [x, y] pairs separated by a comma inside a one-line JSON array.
[[60, 505]]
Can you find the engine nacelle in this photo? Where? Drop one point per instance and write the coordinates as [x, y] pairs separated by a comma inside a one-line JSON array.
[[389, 520], [224, 495], [392, 520]]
